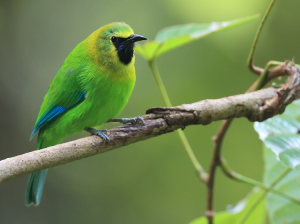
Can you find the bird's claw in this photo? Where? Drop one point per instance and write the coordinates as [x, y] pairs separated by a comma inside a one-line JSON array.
[[99, 133], [133, 120]]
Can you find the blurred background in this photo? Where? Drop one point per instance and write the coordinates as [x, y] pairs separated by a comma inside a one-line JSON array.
[[151, 181]]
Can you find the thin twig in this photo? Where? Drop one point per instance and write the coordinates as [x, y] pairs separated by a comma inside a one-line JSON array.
[[251, 66], [197, 166], [213, 165], [240, 178], [160, 83]]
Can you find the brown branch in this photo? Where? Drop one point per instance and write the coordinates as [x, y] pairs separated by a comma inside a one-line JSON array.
[[217, 139], [280, 70], [256, 106]]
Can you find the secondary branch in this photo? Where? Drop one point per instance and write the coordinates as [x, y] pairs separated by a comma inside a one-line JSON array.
[[256, 106]]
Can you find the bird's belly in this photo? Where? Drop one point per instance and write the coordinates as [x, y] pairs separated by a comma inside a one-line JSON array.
[[106, 104]]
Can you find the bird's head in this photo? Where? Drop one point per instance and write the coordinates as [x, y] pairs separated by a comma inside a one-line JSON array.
[[116, 42]]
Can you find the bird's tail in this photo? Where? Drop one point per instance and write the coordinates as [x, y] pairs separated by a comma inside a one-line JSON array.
[[35, 183], [35, 187]]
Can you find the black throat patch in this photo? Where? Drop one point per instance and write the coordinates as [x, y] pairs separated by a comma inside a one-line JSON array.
[[124, 49]]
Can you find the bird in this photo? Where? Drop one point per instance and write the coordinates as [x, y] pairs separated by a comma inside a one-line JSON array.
[[92, 87]]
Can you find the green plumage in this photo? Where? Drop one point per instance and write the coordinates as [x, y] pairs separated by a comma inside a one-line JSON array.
[[92, 86]]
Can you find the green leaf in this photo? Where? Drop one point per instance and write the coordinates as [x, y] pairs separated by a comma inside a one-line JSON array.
[[280, 134], [172, 37], [240, 211], [293, 110], [280, 209]]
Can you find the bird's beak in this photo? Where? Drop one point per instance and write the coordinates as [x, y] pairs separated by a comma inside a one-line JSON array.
[[135, 37]]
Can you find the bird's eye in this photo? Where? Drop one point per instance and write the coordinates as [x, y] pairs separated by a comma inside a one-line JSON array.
[[114, 39]]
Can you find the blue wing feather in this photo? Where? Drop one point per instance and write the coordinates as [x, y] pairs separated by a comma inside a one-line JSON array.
[[71, 100]]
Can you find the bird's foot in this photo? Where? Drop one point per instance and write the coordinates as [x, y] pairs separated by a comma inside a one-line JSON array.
[[99, 133], [133, 120]]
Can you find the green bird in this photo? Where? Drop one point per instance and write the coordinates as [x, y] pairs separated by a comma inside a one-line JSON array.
[[92, 86]]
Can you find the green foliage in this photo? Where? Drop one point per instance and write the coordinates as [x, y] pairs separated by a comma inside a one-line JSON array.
[[281, 154], [246, 211], [280, 209], [173, 37], [293, 111], [280, 134]]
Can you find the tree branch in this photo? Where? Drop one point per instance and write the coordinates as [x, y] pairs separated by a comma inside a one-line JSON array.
[[267, 75], [256, 106]]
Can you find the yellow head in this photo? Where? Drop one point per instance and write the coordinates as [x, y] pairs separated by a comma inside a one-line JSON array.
[[113, 44]]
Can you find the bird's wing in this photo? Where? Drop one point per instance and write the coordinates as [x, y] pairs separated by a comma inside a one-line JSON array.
[[64, 93]]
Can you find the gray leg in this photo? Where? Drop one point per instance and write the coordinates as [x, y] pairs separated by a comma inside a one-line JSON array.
[[133, 120], [99, 133]]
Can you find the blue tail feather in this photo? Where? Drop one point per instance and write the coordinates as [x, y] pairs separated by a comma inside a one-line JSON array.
[[37, 179], [35, 187]]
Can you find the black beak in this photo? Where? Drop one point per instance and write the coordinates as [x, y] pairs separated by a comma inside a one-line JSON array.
[[135, 37]]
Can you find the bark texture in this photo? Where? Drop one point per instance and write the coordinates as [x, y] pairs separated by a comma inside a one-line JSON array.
[[256, 106]]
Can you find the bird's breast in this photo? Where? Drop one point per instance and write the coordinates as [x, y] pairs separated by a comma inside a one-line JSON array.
[[107, 95]]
